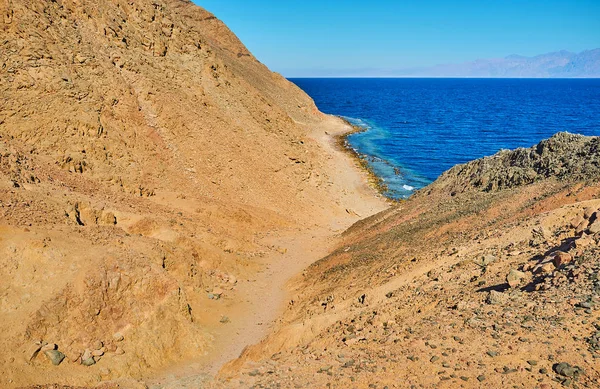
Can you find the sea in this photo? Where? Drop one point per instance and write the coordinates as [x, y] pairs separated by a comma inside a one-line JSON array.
[[415, 129]]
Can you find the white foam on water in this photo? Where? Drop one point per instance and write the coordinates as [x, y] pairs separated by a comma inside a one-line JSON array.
[[408, 187]]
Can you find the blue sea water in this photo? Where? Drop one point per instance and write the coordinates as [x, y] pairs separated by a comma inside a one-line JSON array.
[[418, 128]]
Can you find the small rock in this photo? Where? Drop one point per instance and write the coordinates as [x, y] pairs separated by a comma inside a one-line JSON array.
[[73, 356], [562, 258], [577, 221], [566, 370], [224, 320], [594, 228], [481, 378], [118, 337], [98, 345], [88, 361], [497, 298], [588, 212], [515, 277], [98, 353], [55, 356], [492, 353], [119, 351], [547, 268], [87, 354], [487, 260], [434, 358]]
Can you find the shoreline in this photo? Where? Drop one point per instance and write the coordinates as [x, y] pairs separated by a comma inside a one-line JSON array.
[[374, 180]]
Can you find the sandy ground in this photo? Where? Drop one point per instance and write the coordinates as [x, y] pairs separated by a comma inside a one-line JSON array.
[[252, 312]]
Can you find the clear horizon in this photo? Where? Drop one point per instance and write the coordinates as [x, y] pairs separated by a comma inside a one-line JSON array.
[[313, 39]]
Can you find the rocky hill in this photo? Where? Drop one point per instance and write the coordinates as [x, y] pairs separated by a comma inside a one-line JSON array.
[[145, 158], [489, 277]]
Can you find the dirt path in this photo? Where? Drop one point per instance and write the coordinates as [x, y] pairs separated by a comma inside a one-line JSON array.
[[260, 300]]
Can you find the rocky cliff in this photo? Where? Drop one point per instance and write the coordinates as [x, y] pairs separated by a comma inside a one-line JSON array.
[[144, 154]]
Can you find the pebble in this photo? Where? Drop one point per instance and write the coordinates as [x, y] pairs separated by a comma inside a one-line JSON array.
[[434, 358], [492, 353], [481, 378]]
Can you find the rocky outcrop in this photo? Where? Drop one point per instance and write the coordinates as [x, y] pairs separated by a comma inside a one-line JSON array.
[[564, 157]]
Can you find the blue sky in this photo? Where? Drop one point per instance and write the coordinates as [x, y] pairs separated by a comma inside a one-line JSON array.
[[312, 38]]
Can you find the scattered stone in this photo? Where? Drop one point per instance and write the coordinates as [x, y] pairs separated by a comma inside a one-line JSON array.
[[532, 362], [481, 378], [594, 227], [98, 353], [224, 320], [119, 351], [497, 298], [547, 268], [588, 212], [577, 221], [581, 227], [98, 345], [486, 260], [434, 358], [55, 356], [515, 277], [492, 353], [562, 258], [88, 361], [566, 370], [73, 356], [118, 337]]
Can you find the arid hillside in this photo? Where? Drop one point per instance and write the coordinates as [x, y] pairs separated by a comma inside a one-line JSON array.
[[148, 166], [486, 278]]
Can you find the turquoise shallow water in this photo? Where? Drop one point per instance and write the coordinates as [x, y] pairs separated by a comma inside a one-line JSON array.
[[418, 128]]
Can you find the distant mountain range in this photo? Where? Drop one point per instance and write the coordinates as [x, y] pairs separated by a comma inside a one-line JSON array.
[[560, 64]]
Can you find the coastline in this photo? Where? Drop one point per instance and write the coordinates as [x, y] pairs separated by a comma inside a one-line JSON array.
[[374, 180]]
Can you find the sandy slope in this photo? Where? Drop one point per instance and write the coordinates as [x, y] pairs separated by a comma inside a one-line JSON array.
[[260, 301]]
